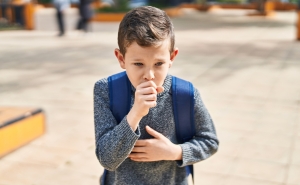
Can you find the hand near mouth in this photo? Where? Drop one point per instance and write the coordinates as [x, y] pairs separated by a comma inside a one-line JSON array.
[[144, 99]]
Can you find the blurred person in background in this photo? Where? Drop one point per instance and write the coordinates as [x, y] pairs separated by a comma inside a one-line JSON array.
[[4, 4], [137, 3], [16, 15], [86, 14], [18, 9], [61, 6]]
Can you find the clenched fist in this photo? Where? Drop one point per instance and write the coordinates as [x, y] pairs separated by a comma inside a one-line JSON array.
[[145, 98]]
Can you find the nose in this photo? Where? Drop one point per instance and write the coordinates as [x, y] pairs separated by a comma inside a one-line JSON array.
[[149, 75]]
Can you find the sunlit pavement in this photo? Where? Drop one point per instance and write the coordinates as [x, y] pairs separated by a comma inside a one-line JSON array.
[[246, 68]]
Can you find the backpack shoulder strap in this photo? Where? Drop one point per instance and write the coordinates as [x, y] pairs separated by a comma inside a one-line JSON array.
[[119, 88], [119, 95], [183, 108]]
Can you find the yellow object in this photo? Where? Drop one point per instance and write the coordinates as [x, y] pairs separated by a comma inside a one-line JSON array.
[[29, 9], [19, 126]]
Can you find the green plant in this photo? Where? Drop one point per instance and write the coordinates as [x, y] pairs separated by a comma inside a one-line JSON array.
[[159, 5], [232, 1], [44, 1], [294, 1], [119, 6]]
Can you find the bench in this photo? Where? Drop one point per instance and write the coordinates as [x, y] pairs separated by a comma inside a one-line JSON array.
[[19, 126]]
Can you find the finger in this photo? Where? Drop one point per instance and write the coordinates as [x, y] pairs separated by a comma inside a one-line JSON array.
[[140, 159], [152, 132], [160, 89], [140, 143], [138, 149], [151, 104], [147, 90], [147, 84], [150, 97], [137, 155]]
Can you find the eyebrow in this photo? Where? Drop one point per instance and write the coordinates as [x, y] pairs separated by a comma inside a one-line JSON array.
[[160, 59], [141, 60], [138, 59]]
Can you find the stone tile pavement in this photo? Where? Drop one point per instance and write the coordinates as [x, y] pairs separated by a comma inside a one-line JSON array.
[[247, 69]]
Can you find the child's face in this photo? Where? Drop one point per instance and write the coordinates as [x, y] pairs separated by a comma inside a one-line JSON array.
[[147, 63]]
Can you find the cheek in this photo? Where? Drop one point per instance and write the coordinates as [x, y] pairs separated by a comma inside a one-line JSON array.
[[134, 77], [161, 75], [163, 71]]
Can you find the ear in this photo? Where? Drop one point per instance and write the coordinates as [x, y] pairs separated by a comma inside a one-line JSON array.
[[173, 56], [120, 58]]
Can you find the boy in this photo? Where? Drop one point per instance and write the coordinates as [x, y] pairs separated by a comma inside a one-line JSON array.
[[143, 149]]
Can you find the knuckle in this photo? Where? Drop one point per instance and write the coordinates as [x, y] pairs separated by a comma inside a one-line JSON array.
[[147, 142], [151, 105], [137, 91], [149, 90], [153, 90], [147, 150], [153, 84], [154, 103]]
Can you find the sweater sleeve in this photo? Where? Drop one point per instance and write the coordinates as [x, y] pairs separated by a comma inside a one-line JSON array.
[[205, 142], [114, 141]]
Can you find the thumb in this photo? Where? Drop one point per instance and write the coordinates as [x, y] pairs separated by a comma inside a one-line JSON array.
[[152, 132], [160, 89]]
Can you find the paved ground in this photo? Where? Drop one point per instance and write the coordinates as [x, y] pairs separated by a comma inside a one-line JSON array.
[[247, 69]]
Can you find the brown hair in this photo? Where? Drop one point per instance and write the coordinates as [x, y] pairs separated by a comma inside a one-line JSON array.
[[147, 26]]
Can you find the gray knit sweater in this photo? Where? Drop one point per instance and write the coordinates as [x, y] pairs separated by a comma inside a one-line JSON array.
[[114, 141]]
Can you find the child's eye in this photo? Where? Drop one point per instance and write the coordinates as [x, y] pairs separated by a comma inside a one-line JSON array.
[[138, 64], [159, 63]]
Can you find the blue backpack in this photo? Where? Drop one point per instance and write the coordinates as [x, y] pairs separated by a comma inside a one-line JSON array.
[[183, 106]]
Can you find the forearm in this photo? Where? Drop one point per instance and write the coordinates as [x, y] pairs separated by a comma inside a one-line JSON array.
[[198, 149], [114, 141], [205, 142], [133, 119], [113, 147]]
